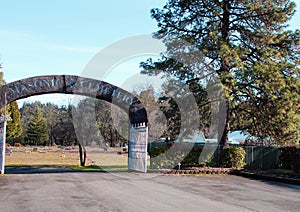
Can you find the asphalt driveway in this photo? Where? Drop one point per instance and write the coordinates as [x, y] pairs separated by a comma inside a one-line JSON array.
[[79, 191]]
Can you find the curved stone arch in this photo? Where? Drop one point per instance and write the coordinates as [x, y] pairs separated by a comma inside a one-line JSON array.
[[71, 84]]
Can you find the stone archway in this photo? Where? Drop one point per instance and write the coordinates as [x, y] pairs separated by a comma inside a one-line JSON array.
[[70, 84]]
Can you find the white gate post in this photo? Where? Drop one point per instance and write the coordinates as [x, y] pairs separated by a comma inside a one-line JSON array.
[[3, 120], [137, 149]]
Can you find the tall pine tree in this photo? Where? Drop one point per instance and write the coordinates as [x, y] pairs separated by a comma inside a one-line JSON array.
[[248, 45], [37, 131], [14, 127]]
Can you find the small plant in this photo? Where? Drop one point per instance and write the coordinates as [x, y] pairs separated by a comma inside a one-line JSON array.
[[54, 144], [7, 145], [17, 144], [233, 157]]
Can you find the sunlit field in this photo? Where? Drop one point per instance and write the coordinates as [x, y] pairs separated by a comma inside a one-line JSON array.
[[67, 157]]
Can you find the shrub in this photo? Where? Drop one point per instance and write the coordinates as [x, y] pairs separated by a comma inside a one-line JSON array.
[[233, 157], [168, 155], [160, 156], [192, 158], [17, 144], [211, 161]]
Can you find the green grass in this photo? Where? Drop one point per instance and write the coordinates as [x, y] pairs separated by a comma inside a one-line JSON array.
[[96, 160], [283, 171], [86, 168], [111, 168], [114, 168]]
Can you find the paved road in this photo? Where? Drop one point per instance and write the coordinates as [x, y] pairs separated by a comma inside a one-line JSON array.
[[142, 192]]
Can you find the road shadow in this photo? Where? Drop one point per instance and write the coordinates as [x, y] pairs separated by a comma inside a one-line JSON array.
[[49, 169], [286, 183]]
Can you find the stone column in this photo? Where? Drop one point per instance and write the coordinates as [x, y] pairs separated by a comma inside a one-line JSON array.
[[137, 149], [2, 142]]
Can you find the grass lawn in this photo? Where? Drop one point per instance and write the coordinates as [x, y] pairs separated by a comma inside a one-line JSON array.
[[110, 161], [96, 159], [36, 158]]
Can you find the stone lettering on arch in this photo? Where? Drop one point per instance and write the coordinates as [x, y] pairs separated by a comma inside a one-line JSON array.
[[69, 84], [32, 86]]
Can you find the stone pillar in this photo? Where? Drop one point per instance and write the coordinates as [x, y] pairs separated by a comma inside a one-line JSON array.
[[137, 149], [2, 142]]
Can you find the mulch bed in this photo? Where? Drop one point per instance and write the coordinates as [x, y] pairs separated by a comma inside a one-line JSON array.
[[201, 170], [259, 174]]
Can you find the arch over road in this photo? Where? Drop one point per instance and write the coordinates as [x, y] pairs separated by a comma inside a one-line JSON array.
[[71, 84]]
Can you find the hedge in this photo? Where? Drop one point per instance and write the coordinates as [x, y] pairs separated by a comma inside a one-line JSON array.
[[169, 155], [233, 157], [289, 158]]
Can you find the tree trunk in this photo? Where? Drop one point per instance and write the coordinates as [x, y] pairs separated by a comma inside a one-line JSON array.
[[223, 127], [51, 136], [82, 155], [111, 138]]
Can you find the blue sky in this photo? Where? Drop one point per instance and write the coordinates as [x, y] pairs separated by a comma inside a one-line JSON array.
[[60, 37], [42, 37]]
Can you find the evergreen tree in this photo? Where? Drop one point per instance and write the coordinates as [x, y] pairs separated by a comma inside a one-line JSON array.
[[2, 82], [156, 120], [63, 129], [14, 127], [37, 131], [247, 44], [84, 120], [58, 120]]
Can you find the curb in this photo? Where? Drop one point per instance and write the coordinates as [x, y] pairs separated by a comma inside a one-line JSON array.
[[294, 181], [159, 171], [210, 172], [191, 171]]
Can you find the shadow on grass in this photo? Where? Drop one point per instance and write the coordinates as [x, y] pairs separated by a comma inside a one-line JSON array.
[[38, 169]]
